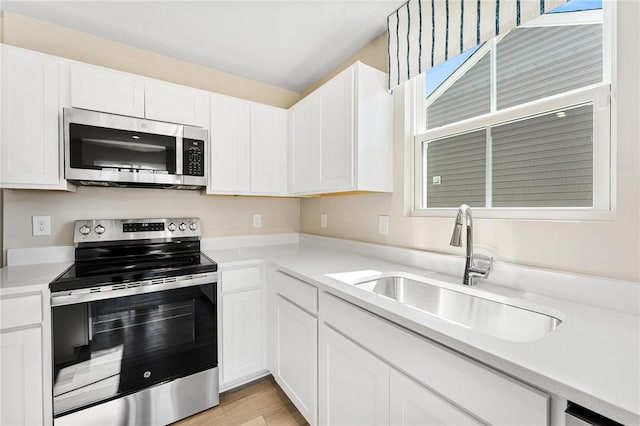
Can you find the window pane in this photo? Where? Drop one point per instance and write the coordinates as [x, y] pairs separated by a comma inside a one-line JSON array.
[[460, 163], [545, 161], [468, 97], [533, 63]]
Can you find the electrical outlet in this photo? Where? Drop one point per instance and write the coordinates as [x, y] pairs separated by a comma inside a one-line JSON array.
[[257, 221], [41, 225], [323, 220], [383, 225]]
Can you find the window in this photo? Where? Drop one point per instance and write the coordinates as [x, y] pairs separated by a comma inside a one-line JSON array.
[[520, 126]]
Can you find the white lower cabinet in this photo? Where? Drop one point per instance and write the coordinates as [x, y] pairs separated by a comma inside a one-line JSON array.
[[25, 361], [242, 330], [436, 386], [413, 404], [357, 388], [243, 326], [21, 385], [354, 385], [296, 339]]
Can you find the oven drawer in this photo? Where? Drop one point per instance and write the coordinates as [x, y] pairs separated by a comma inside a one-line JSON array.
[[19, 311]]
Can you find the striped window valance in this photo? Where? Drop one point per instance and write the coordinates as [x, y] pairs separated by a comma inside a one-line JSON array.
[[425, 33]]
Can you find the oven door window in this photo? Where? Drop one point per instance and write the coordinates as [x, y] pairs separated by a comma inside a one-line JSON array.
[[99, 148], [109, 348]]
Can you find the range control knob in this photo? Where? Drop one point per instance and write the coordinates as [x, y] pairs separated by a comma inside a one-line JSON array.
[[85, 230], [99, 229], [183, 226], [171, 227], [193, 226]]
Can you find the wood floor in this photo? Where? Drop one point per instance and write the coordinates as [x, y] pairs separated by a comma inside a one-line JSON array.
[[256, 404]]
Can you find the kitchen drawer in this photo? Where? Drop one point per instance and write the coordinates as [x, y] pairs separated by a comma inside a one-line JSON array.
[[19, 311], [299, 292], [240, 279], [482, 391]]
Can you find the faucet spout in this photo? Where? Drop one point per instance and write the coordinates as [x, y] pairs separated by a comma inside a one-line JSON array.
[[465, 220]]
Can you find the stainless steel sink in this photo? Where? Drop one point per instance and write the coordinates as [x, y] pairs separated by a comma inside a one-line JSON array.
[[492, 317]]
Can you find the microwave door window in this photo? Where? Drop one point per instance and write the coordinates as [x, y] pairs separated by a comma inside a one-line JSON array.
[[100, 148]]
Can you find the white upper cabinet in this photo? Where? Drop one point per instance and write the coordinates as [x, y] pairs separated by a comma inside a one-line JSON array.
[[30, 154], [248, 148], [106, 90], [337, 169], [304, 132], [230, 146], [268, 150], [341, 135], [176, 104]]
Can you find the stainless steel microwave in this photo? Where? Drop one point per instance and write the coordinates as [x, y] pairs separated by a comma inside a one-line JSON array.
[[115, 150]]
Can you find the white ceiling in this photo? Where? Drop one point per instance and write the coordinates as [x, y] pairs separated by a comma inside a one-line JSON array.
[[289, 44]]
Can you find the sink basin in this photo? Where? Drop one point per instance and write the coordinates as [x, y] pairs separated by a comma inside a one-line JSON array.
[[487, 316]]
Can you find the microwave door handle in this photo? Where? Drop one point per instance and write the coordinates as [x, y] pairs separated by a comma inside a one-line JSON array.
[[179, 154]]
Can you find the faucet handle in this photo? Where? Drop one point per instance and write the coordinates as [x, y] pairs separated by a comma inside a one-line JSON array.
[[483, 270]]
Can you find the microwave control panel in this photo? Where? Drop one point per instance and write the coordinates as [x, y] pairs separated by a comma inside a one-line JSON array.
[[193, 157]]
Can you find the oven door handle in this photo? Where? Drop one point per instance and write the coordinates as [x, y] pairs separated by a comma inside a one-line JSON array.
[[113, 291]]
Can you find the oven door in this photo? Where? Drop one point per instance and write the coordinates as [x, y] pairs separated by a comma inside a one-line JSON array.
[[108, 348]]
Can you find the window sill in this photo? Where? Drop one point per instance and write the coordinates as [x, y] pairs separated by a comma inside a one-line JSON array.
[[550, 214]]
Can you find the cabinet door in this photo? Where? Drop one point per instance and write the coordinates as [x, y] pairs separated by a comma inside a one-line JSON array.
[[354, 384], [101, 89], [30, 152], [21, 387], [230, 145], [414, 404], [296, 356], [268, 150], [304, 124], [337, 142], [176, 104], [243, 335]]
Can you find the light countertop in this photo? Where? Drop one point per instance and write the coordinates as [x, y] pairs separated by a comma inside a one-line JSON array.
[[592, 358], [21, 279]]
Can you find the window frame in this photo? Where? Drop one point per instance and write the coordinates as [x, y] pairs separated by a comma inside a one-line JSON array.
[[604, 149]]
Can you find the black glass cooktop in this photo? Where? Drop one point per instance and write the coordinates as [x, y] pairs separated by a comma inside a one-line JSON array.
[[132, 261]]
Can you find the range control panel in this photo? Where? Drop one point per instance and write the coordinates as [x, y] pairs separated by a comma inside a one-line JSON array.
[[95, 230], [142, 226]]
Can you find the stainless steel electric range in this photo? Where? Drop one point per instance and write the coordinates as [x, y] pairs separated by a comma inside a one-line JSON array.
[[135, 324]]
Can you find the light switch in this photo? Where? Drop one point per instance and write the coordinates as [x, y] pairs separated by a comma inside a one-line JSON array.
[[383, 225], [323, 220]]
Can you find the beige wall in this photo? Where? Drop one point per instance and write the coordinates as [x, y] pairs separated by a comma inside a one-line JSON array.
[[221, 216], [374, 54], [33, 34], [609, 248]]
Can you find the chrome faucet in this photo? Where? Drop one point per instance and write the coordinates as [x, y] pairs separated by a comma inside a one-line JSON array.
[[470, 269]]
